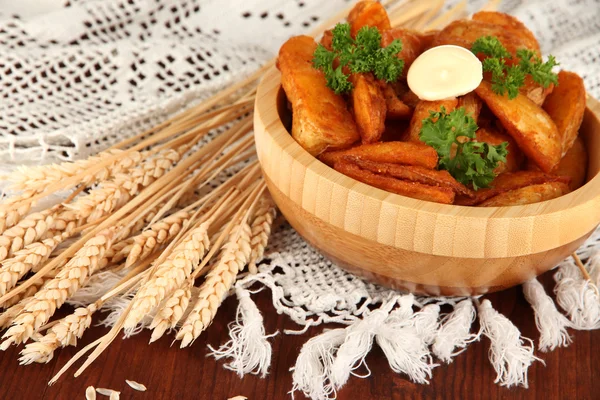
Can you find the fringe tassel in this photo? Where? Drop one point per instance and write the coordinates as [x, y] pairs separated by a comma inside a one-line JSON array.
[[404, 340], [455, 332], [249, 347], [577, 296], [509, 356], [312, 372], [550, 322]]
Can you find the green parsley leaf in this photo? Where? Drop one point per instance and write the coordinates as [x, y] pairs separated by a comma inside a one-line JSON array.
[[364, 54], [490, 46], [508, 79], [541, 72], [468, 161]]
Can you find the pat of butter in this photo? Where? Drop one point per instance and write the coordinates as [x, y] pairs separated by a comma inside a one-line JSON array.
[[444, 72]]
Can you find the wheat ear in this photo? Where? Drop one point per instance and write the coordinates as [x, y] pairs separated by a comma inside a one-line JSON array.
[[261, 231], [154, 236], [116, 192], [219, 281], [39, 177], [26, 260], [170, 274], [64, 333], [14, 208], [55, 292], [171, 311]]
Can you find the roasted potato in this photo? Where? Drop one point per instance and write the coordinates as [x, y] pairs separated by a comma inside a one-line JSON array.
[[327, 39], [387, 152], [566, 106], [534, 91], [368, 107], [396, 109], [413, 45], [508, 182], [515, 157], [510, 23], [395, 130], [574, 164], [528, 124], [422, 112], [472, 104], [528, 195], [465, 32], [321, 119], [410, 189], [413, 173], [368, 13]]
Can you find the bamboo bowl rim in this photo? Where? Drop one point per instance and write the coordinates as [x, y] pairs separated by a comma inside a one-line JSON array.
[[577, 204]]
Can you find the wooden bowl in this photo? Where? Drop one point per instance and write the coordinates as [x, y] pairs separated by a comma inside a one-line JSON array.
[[420, 246]]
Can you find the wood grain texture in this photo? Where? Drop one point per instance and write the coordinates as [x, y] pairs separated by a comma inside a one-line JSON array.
[[173, 374], [407, 243]]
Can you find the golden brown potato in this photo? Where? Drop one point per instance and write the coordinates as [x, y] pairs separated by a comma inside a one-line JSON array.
[[465, 32], [528, 195], [368, 13], [395, 129], [396, 109], [574, 164], [528, 124], [410, 189], [422, 112], [472, 104], [515, 157], [566, 106], [368, 107], [510, 23], [327, 39], [413, 45], [321, 119], [508, 182], [534, 91], [387, 152], [428, 37], [413, 173]]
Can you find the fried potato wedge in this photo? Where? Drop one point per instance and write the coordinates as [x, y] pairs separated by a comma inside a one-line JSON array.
[[566, 106], [472, 104], [368, 13], [465, 32], [528, 195], [515, 156], [508, 182], [387, 152], [327, 39], [368, 107], [422, 112], [396, 109], [321, 119], [413, 44], [395, 129], [413, 173], [574, 164], [528, 124], [534, 91], [410, 189], [510, 23]]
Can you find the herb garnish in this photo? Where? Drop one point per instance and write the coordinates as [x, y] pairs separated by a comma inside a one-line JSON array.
[[508, 79], [468, 161], [363, 54]]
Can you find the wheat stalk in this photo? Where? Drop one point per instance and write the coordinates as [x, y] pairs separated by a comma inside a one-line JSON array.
[[261, 230], [31, 290], [39, 177], [64, 333], [26, 260], [171, 311], [219, 281], [54, 293], [170, 274]]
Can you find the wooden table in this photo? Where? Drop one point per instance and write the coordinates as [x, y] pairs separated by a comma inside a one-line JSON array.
[[171, 373]]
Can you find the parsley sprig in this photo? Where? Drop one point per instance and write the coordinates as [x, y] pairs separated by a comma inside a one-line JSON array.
[[468, 161], [363, 54], [508, 79]]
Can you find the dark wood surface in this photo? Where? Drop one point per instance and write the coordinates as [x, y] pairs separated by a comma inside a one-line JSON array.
[[171, 373]]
